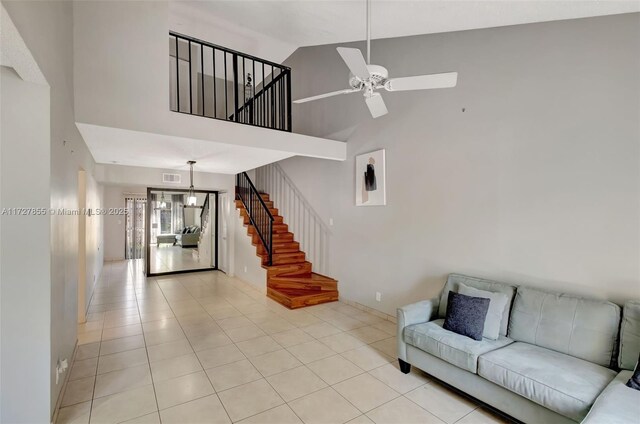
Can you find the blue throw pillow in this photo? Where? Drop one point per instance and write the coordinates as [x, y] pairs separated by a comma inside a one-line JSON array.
[[466, 315], [634, 381]]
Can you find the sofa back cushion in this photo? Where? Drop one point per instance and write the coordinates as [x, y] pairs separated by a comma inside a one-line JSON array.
[[583, 328], [493, 286], [630, 335]]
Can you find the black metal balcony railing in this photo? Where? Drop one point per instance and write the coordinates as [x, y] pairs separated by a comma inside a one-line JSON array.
[[216, 82]]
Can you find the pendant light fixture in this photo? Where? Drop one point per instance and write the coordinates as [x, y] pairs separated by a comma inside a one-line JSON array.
[[191, 195], [163, 204]]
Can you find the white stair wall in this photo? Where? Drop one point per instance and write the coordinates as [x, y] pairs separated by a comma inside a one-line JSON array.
[[310, 230]]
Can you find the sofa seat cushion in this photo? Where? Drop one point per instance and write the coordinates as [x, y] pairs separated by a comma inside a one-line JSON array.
[[456, 349], [562, 383], [618, 404]]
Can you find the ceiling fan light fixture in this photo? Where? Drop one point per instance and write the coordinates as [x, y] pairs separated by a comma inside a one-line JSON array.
[[367, 77]]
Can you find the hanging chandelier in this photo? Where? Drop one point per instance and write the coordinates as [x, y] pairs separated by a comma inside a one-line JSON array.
[[163, 204], [191, 194]]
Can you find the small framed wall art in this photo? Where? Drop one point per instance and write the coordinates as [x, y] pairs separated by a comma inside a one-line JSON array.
[[371, 187]]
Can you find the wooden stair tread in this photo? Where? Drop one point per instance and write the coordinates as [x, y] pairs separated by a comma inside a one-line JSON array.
[[311, 278], [292, 293], [300, 268], [278, 247], [283, 258], [293, 298], [307, 282]]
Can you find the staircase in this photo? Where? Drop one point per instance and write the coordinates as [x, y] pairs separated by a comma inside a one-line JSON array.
[[204, 240], [290, 277]]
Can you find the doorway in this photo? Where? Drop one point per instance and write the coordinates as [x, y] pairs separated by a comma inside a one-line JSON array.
[[82, 241], [223, 234]]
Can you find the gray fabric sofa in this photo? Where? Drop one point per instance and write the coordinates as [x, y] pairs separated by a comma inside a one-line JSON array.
[[189, 239], [556, 356]]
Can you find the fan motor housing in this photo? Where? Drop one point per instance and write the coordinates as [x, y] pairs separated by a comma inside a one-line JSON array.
[[379, 75]]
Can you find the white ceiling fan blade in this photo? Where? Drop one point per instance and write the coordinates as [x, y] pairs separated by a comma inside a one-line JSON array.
[[355, 61], [422, 82], [322, 96], [376, 105]]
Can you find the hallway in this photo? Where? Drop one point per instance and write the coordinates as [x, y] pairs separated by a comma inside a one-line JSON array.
[[205, 347]]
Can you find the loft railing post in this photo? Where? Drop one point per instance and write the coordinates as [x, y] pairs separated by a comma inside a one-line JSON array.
[[270, 236], [190, 89], [235, 87], [202, 75], [177, 76], [288, 77], [250, 206]]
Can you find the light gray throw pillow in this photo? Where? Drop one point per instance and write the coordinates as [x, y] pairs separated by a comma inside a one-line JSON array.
[[497, 306]]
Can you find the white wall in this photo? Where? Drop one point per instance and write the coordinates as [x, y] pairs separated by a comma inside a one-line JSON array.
[[152, 177], [536, 182], [47, 29], [25, 262], [246, 264]]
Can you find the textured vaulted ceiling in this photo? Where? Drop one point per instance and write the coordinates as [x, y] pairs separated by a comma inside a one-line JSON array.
[[279, 27]]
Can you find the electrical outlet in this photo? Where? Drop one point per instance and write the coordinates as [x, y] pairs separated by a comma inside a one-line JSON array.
[[331, 222], [245, 269], [61, 367], [378, 296]]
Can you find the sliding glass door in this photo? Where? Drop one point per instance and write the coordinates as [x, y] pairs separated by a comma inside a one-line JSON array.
[[134, 244]]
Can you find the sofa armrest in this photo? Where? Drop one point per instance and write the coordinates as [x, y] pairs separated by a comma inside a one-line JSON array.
[[416, 313], [617, 404]]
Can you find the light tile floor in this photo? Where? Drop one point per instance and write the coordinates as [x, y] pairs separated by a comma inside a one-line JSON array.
[[168, 258], [206, 348]]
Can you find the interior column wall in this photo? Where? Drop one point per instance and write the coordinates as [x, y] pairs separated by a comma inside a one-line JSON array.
[[25, 262], [47, 30]]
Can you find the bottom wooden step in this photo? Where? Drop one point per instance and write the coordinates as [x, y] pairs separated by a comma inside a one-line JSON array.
[[310, 281], [293, 298]]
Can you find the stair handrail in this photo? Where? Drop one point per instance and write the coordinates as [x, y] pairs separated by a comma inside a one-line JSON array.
[[205, 208], [250, 101], [320, 259], [204, 216], [261, 219]]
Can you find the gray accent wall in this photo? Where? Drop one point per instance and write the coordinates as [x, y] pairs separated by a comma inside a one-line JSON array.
[[528, 171]]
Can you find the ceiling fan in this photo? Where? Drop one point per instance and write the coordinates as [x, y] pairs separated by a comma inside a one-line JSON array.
[[367, 78]]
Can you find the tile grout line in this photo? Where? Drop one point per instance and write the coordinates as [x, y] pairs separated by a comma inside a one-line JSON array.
[[146, 349]]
